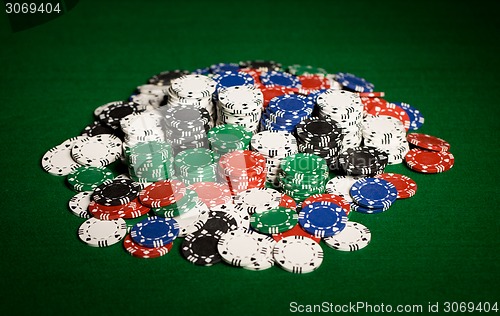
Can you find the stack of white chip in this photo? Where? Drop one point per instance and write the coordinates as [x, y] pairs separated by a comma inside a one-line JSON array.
[[241, 105], [387, 134], [196, 90], [346, 108], [274, 146], [143, 127]]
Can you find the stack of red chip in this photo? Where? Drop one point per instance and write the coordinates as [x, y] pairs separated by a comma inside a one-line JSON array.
[[430, 155], [243, 170]]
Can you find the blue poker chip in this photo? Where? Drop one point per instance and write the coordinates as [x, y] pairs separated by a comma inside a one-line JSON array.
[[223, 67], [374, 193], [354, 83], [293, 119], [416, 118], [201, 71], [155, 232], [269, 126], [277, 78], [365, 210], [233, 78], [323, 219], [291, 104]]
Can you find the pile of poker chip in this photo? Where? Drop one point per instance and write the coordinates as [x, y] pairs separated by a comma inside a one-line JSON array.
[[253, 164]]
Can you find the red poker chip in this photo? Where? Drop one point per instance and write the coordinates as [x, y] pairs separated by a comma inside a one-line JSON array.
[[106, 213], [405, 185], [428, 142], [272, 92], [242, 162], [135, 209], [162, 193], [325, 197], [139, 251], [370, 103], [426, 161], [255, 73], [311, 83], [212, 193], [288, 202], [393, 110], [371, 94], [296, 231]]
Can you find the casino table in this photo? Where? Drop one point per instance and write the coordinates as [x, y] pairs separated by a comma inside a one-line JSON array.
[[442, 245]]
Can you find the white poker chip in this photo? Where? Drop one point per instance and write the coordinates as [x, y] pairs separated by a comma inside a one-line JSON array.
[[193, 219], [58, 160], [99, 233], [354, 236], [341, 185], [274, 143], [244, 99], [79, 204], [257, 200], [298, 254], [97, 151], [264, 258], [193, 86], [142, 124], [239, 247]]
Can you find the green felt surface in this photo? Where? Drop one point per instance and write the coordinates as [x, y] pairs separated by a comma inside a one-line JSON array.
[[441, 245]]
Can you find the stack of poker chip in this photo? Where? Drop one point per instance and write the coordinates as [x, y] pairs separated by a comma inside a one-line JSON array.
[[362, 161], [274, 146], [303, 175], [320, 136], [228, 137], [195, 90], [149, 96], [196, 165], [284, 112], [110, 114], [354, 83], [347, 110], [143, 127], [240, 105], [372, 195], [242, 170], [150, 161], [212, 193], [388, 135], [429, 155], [185, 127], [228, 79]]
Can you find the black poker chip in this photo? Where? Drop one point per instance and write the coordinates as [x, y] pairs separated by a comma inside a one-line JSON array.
[[261, 65], [97, 128], [200, 248], [116, 192], [366, 161], [220, 221], [112, 115]]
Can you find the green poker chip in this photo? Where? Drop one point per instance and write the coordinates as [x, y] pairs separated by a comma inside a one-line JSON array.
[[194, 160], [300, 70], [275, 220], [304, 165], [229, 136], [87, 178]]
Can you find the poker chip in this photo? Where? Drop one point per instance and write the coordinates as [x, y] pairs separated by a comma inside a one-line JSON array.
[[185, 204], [297, 254], [277, 78], [300, 70], [97, 151], [138, 251], [261, 65], [193, 220], [354, 83], [264, 258], [200, 248], [428, 142], [212, 193], [79, 203], [322, 219], [87, 178], [239, 247], [58, 160], [242, 218], [223, 67], [257, 200], [116, 192], [274, 143], [353, 237], [429, 161], [367, 210], [154, 232], [97, 128], [228, 79], [164, 78], [332, 198], [363, 161], [416, 118], [275, 220], [98, 233], [405, 186], [162, 193], [220, 222], [393, 110], [114, 112], [374, 193]]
